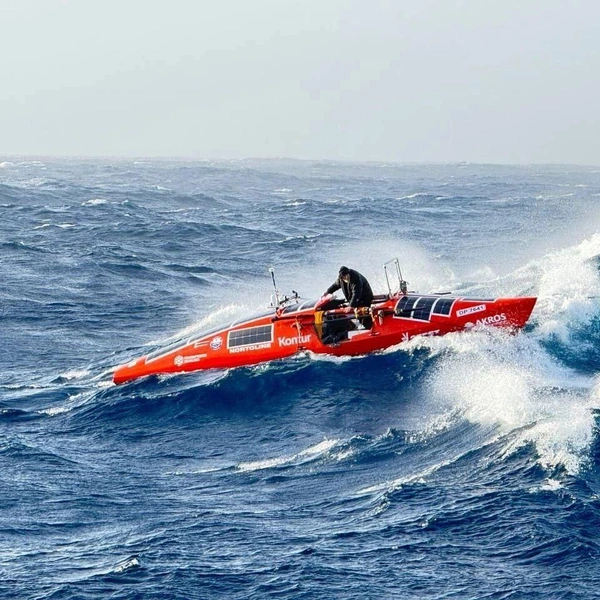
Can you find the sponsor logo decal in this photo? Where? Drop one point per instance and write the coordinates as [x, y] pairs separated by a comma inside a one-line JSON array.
[[469, 311], [183, 360], [493, 320], [216, 342], [406, 336], [294, 341], [250, 347]]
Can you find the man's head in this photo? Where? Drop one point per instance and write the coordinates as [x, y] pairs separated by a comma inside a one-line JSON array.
[[344, 274]]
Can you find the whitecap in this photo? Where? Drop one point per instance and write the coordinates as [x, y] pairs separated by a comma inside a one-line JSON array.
[[567, 287], [512, 383], [409, 479], [94, 202], [550, 485], [53, 411], [309, 454], [74, 374], [413, 196], [133, 562]]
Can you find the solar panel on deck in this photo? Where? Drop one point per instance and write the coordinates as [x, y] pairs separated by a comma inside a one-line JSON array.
[[404, 306], [422, 309], [252, 335], [443, 306]]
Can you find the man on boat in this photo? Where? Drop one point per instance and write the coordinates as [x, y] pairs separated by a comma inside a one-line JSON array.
[[356, 290], [355, 287]]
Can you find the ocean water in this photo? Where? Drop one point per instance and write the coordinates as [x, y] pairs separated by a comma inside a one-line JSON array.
[[466, 466]]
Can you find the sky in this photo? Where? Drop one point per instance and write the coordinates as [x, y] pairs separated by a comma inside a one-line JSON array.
[[500, 81]]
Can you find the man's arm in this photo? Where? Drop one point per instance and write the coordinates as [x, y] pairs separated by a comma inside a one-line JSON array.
[[334, 287]]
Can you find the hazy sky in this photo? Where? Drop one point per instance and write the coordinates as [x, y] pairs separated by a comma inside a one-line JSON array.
[[510, 81]]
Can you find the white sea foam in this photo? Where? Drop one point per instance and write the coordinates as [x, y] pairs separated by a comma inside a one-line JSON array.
[[53, 411], [511, 382], [105, 384], [31, 163], [75, 374], [409, 479], [94, 202], [568, 288], [332, 358], [550, 485], [132, 562], [413, 196], [309, 454], [201, 471], [220, 316], [74, 401]]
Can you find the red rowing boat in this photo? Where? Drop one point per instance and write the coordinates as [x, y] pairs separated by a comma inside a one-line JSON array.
[[329, 326]]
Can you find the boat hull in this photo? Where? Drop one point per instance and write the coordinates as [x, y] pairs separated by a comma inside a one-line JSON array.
[[311, 326]]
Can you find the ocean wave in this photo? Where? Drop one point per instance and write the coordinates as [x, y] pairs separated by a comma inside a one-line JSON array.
[[301, 458], [513, 383]]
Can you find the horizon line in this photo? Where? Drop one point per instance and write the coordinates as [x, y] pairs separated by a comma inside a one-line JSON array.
[[179, 158]]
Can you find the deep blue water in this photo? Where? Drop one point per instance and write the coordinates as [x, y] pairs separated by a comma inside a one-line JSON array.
[[466, 466]]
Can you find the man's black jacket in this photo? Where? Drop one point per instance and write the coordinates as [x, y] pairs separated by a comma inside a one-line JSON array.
[[357, 291]]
